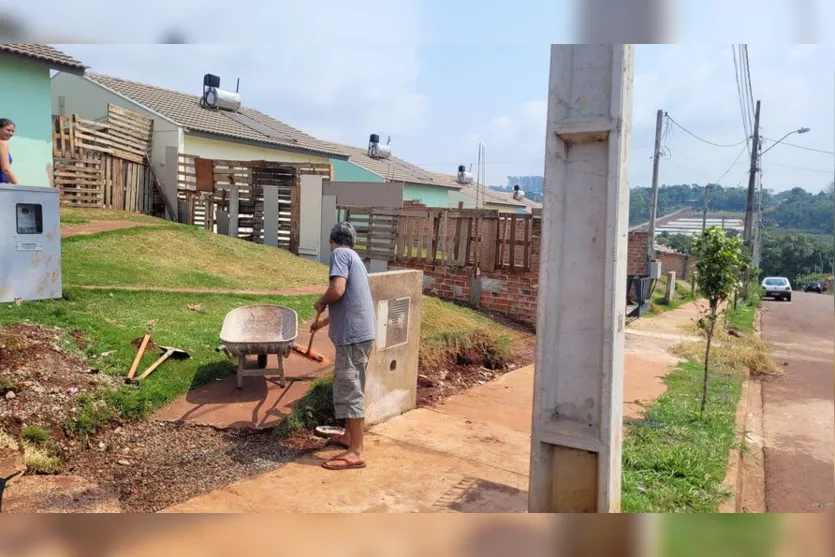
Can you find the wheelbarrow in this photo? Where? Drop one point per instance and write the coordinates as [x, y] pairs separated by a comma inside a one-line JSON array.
[[260, 331]]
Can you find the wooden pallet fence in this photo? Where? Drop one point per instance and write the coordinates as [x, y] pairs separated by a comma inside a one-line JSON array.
[[80, 184], [477, 238], [515, 242], [113, 154], [250, 180]]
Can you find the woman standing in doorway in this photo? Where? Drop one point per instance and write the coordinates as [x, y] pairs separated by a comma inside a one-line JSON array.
[[6, 132]]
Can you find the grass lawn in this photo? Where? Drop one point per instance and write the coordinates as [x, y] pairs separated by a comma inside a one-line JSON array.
[[175, 255], [71, 216], [657, 303], [674, 460], [112, 320]]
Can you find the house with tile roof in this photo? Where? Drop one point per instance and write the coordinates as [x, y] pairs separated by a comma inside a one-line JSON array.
[[25, 100], [428, 188], [184, 127], [474, 196], [181, 123]]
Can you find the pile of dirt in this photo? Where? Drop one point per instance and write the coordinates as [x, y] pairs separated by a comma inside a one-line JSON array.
[[153, 465], [40, 381], [455, 374]]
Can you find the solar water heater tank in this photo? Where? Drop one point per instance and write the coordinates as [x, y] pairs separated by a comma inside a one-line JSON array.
[[30, 243]]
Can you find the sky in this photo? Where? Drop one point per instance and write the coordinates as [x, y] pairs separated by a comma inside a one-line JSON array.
[[439, 76]]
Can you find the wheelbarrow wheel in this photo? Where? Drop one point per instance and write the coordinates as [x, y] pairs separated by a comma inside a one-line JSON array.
[[262, 361]]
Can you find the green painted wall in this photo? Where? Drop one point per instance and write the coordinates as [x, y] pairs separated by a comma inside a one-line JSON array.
[[345, 171], [25, 99], [428, 195]]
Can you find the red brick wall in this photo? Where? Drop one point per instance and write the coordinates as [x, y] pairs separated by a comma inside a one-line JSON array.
[[636, 258], [636, 253], [511, 294], [677, 262]]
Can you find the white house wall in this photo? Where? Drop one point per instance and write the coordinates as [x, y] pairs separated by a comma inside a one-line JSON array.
[[89, 100], [204, 147]]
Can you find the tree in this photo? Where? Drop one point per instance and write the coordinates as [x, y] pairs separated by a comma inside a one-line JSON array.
[[719, 268]]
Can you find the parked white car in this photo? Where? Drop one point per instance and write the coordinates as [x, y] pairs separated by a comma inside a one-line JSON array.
[[778, 287]]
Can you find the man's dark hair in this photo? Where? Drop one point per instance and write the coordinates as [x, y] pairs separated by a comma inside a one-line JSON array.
[[343, 234], [5, 122]]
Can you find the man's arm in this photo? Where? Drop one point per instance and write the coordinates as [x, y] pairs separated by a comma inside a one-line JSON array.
[[333, 294]]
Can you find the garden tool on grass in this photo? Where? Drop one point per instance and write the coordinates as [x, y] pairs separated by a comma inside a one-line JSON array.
[[169, 352], [136, 360], [310, 353]]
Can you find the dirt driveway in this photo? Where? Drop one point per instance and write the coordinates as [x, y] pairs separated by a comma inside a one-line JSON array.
[[798, 407]]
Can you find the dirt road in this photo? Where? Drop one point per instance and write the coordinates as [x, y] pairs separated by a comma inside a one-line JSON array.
[[798, 407]]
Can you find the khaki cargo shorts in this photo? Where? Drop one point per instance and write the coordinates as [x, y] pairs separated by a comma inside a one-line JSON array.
[[349, 380]]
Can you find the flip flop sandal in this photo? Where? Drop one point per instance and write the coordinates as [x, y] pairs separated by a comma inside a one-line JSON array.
[[349, 464]]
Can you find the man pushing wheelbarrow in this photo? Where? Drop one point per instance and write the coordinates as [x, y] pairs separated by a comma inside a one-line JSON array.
[[352, 331]]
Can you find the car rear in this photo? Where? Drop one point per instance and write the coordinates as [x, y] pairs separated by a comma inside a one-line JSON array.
[[777, 287]]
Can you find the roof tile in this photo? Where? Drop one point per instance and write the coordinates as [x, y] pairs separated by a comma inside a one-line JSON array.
[[44, 53]]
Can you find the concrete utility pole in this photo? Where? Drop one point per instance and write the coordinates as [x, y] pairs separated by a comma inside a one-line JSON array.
[[653, 203], [578, 387], [752, 180]]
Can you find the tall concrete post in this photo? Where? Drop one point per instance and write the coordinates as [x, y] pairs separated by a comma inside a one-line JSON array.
[[578, 387]]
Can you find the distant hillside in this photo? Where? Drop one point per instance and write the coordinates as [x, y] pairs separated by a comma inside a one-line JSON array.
[[803, 211]]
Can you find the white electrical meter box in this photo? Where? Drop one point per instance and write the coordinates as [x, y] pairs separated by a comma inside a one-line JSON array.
[[655, 270], [30, 243]]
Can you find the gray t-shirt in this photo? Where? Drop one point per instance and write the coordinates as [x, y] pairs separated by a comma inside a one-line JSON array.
[[352, 317]]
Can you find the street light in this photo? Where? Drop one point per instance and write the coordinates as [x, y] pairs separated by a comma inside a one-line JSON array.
[[797, 131]]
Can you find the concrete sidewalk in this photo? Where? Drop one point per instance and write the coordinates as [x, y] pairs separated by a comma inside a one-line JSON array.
[[470, 454]]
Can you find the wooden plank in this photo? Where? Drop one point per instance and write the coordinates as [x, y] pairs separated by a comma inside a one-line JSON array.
[[135, 180], [295, 213], [456, 250], [129, 193], [468, 250], [512, 243], [101, 132], [487, 257], [118, 184], [70, 126], [502, 242], [436, 237], [204, 173], [527, 255]]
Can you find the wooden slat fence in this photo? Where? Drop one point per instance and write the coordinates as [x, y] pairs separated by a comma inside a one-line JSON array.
[[482, 239], [206, 187], [106, 164]]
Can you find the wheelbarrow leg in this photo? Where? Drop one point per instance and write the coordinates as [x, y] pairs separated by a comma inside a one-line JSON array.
[[281, 381], [239, 372]]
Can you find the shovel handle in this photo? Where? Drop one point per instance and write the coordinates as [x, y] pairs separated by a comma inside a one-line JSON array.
[[138, 358], [155, 365], [313, 333]]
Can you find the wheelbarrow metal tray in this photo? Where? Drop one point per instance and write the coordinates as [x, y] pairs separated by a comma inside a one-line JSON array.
[[259, 329]]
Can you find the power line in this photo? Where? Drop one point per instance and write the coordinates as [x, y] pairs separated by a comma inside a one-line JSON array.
[[703, 139], [743, 90], [733, 164], [802, 147]]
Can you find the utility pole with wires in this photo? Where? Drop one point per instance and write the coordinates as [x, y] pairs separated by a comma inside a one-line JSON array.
[[704, 209], [752, 179], [653, 203]]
